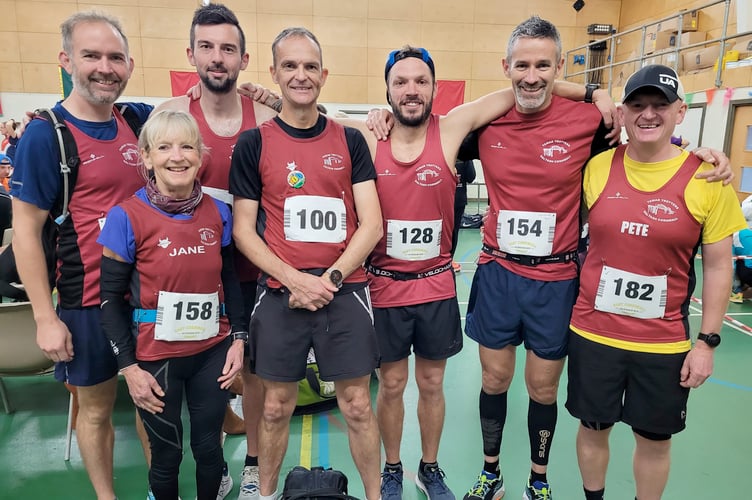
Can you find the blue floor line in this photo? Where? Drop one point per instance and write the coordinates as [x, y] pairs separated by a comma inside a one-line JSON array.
[[323, 438], [730, 384]]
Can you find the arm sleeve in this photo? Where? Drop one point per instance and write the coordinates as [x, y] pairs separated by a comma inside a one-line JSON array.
[[245, 178], [115, 311], [362, 165]]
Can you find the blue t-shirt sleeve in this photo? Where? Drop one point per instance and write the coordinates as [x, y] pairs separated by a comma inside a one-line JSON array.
[[36, 174], [117, 235], [141, 109], [226, 214]]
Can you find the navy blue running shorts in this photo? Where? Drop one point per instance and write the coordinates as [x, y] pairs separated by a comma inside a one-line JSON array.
[[507, 309]]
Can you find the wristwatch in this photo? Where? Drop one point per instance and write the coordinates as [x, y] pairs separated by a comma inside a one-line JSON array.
[[240, 336], [335, 276], [712, 339], [589, 89]]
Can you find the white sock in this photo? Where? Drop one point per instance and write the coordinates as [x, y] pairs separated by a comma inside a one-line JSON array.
[[273, 496]]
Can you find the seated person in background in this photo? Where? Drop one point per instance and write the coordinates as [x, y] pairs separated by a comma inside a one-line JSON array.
[[742, 248], [6, 166], [192, 345]]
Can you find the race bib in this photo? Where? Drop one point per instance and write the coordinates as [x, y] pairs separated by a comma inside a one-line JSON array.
[[526, 233], [413, 240], [187, 316], [315, 219], [629, 294]]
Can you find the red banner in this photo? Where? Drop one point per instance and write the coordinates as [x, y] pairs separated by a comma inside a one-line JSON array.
[[451, 93], [181, 81]]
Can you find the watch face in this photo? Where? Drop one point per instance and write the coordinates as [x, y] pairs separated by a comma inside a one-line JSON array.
[[336, 277], [712, 339]]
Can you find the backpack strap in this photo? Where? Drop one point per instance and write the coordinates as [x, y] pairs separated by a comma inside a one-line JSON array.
[[69, 162], [131, 118]]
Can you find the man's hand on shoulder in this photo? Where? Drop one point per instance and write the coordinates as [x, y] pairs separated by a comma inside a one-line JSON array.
[[380, 121], [722, 170]]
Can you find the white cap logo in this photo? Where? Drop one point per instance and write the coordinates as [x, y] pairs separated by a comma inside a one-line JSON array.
[[667, 80]]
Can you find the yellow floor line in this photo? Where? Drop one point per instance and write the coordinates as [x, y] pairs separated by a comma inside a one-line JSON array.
[[306, 440]]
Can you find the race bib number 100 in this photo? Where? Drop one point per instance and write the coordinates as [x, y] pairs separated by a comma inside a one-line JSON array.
[[187, 316], [315, 219]]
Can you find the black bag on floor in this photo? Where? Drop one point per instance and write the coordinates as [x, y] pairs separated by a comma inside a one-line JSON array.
[[317, 483]]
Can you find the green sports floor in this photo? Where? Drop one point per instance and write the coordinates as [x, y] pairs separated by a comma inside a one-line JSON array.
[[711, 459]]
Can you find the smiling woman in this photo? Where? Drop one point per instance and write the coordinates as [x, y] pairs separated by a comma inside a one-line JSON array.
[[177, 309]]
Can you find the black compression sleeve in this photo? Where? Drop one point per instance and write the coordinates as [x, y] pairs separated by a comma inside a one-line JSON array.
[[116, 313], [233, 296]]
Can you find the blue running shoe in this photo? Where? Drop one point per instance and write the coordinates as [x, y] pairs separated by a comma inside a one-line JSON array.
[[487, 487], [537, 491], [391, 484], [431, 482]]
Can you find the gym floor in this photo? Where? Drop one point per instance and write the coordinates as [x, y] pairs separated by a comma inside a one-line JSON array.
[[710, 459]]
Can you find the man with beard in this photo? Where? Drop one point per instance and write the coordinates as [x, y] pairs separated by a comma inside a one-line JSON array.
[[412, 286], [95, 53], [217, 50]]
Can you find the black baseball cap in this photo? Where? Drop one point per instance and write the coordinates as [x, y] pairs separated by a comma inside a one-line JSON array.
[[656, 76]]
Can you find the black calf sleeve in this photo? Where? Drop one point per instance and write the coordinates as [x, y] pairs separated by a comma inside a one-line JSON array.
[[541, 423], [493, 415]]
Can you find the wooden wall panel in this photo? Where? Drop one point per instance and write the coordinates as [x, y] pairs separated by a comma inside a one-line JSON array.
[[468, 38]]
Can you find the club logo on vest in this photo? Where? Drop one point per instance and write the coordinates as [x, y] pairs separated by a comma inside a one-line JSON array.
[[661, 210], [208, 236], [333, 161], [428, 174], [555, 151], [164, 243], [295, 178], [131, 155], [498, 145]]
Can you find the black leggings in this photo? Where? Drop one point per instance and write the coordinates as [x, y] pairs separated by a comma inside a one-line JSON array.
[[197, 375]]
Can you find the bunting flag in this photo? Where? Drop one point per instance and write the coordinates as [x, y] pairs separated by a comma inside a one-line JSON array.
[[727, 96], [66, 84], [181, 81], [709, 94], [450, 94], [688, 98]]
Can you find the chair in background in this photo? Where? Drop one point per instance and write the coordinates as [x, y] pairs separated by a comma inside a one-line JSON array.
[[19, 353]]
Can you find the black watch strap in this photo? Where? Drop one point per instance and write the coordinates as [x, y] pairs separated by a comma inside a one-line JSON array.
[[712, 339], [240, 336], [589, 89]]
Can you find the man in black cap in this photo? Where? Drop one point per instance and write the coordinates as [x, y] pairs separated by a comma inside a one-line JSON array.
[[631, 357]]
